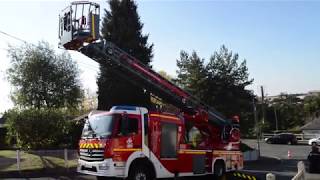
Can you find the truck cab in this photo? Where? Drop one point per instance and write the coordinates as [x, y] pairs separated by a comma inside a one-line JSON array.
[[109, 138]]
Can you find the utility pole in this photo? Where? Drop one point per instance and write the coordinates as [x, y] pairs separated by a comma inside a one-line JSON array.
[[276, 117], [262, 104], [257, 129]]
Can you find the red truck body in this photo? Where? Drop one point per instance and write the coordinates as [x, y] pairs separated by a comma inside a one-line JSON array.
[[157, 141]]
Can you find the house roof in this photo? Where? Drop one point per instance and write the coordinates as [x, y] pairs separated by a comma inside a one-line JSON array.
[[312, 125]]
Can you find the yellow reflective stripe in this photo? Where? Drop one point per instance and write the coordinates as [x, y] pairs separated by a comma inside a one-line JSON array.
[[227, 152], [164, 116], [127, 150], [191, 152], [90, 145], [244, 176], [254, 178], [93, 28]]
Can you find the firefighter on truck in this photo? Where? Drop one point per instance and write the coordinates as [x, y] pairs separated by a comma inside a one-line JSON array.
[[139, 143]]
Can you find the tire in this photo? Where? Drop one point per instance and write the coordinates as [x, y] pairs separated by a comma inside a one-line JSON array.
[[139, 172], [219, 169]]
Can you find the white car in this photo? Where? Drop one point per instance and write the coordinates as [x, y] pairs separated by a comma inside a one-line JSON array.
[[314, 141]]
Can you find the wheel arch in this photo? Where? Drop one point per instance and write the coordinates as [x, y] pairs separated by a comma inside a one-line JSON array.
[[218, 160], [145, 162]]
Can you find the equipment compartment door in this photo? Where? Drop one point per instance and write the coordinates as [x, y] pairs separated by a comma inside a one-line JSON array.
[[168, 140]]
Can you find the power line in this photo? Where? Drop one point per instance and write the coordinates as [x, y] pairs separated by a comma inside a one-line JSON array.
[[91, 67], [14, 37]]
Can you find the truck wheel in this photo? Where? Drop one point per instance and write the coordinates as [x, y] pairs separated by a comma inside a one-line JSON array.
[[140, 173], [219, 169]]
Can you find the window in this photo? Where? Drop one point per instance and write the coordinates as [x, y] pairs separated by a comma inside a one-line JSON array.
[[127, 125], [168, 140]]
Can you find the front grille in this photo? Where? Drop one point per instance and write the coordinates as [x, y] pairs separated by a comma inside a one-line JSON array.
[[92, 154]]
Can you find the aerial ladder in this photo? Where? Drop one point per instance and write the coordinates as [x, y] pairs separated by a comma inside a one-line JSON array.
[[79, 30]]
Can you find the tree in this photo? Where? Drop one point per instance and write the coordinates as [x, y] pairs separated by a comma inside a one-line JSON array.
[[43, 78], [227, 81], [122, 26], [165, 75], [312, 106], [192, 74], [219, 83], [42, 128], [289, 111]]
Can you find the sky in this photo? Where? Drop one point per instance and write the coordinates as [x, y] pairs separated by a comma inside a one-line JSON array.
[[278, 39]]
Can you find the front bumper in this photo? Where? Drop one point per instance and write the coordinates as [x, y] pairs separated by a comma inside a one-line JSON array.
[[106, 168]]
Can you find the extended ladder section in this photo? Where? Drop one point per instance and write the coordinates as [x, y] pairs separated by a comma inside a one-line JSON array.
[[79, 30], [128, 67]]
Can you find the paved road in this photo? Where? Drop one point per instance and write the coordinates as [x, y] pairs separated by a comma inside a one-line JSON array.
[[299, 151], [275, 159]]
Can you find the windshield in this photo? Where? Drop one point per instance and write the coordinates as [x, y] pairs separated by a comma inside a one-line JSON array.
[[99, 125]]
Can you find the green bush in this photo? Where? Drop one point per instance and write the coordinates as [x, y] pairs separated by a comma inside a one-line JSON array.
[[41, 129], [3, 132]]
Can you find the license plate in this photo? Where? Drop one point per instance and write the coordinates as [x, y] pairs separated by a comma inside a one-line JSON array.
[[87, 166]]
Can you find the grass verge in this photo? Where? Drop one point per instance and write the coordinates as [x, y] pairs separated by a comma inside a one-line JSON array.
[[33, 160]]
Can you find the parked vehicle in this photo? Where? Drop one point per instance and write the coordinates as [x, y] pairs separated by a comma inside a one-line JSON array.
[[314, 141], [283, 138]]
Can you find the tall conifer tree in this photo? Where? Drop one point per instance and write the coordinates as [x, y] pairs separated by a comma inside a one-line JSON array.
[[121, 25]]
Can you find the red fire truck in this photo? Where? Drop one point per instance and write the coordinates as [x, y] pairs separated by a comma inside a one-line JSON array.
[[142, 143]]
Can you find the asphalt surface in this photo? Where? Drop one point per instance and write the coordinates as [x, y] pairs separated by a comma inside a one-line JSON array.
[[275, 159]]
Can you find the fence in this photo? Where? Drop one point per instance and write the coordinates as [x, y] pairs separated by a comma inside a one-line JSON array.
[[59, 160]]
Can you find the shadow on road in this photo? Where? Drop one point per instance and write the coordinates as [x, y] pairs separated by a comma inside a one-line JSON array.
[[6, 162]]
